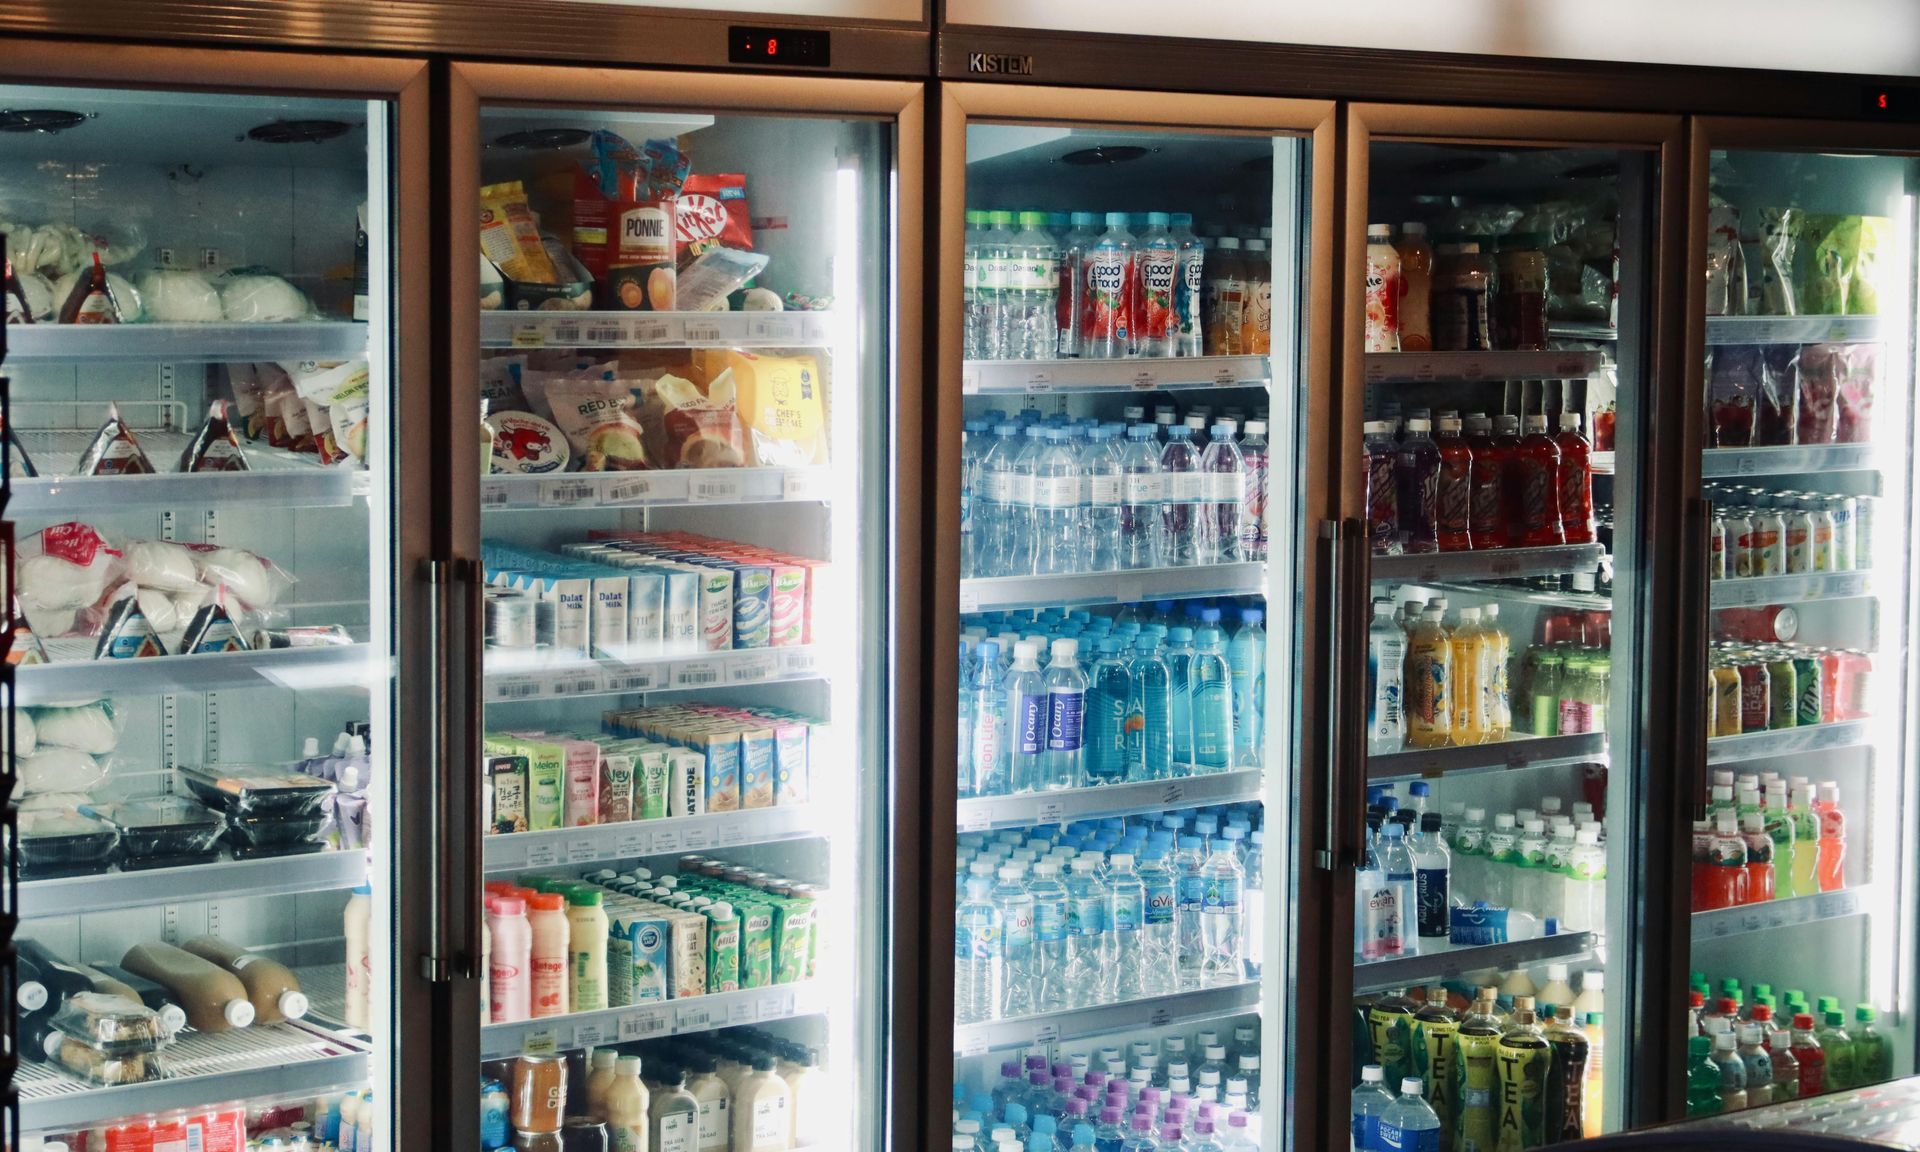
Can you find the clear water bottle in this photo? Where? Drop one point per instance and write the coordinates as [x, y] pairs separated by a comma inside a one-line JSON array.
[[1070, 307], [1087, 969], [986, 773], [1126, 922], [1189, 864], [1026, 696], [1223, 911], [1049, 936], [1015, 905], [1057, 530], [975, 317], [1180, 654], [971, 449], [1411, 1125], [1034, 287], [1212, 692], [1153, 693], [1255, 457], [976, 949], [1142, 493], [1396, 859], [1160, 946], [1224, 482], [994, 267], [1184, 490], [1370, 1102], [1066, 704], [1254, 865], [992, 480], [1105, 475], [963, 752], [1018, 510], [1247, 666], [1188, 289], [1109, 690]]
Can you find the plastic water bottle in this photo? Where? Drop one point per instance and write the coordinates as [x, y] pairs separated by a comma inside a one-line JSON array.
[[1188, 287], [1070, 306], [1212, 689], [1432, 868], [1247, 668], [1066, 705], [994, 267], [976, 950], [1396, 860], [1049, 936], [1057, 540], [1156, 271], [1026, 715], [972, 448], [1015, 907], [963, 727], [1153, 704], [1190, 886], [1370, 1103], [1256, 901], [1109, 692], [991, 487], [1386, 691], [1224, 494], [1126, 917], [1107, 278], [1018, 509], [987, 758], [1142, 494], [1184, 490], [1411, 1125], [1160, 947], [1202, 1139], [1180, 654], [1223, 911], [1105, 477], [1087, 970], [1033, 289], [1253, 508], [975, 336]]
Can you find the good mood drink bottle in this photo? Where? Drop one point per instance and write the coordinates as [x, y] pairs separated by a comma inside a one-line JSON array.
[[1383, 490], [1156, 269], [1576, 481], [1454, 490], [1108, 276]]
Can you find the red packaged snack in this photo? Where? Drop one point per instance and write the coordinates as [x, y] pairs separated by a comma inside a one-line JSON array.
[[1733, 391], [1854, 423], [712, 213], [1822, 367]]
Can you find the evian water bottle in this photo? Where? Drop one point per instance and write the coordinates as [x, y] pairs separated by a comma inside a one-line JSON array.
[[1108, 275], [1156, 269]]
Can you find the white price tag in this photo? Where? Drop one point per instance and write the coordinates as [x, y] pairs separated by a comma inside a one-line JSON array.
[[695, 839], [741, 1012], [633, 845], [644, 1024], [969, 597], [696, 674], [588, 1035], [652, 331], [975, 818], [817, 328], [1040, 382], [798, 663], [971, 1043], [543, 855], [565, 332], [803, 484], [1225, 377], [604, 330], [1376, 369], [970, 379], [581, 849], [702, 332], [1050, 812], [513, 687], [1161, 1017], [1145, 380], [753, 669], [666, 842], [775, 1005], [584, 682], [1046, 1034], [731, 834], [634, 486], [1173, 793], [713, 490], [774, 328], [529, 336], [495, 494], [565, 492], [540, 1042], [692, 1018], [1472, 370], [632, 678]]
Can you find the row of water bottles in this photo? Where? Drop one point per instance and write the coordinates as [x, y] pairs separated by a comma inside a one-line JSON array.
[[1182, 1094], [1051, 917], [1060, 700], [1053, 495]]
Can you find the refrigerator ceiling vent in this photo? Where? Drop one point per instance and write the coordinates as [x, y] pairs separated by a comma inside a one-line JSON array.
[[542, 139], [1101, 154], [299, 131], [44, 121]]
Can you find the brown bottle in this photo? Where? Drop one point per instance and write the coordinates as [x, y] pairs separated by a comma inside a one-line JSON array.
[[271, 986], [214, 998], [91, 301]]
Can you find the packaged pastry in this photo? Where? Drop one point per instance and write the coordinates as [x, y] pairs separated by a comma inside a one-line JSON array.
[[1726, 262], [1853, 418], [249, 414], [115, 450], [91, 1064], [509, 236], [256, 296], [256, 580], [1822, 367], [1776, 260], [697, 429], [160, 564], [597, 418], [113, 1024], [63, 567], [180, 296], [781, 401], [244, 790]]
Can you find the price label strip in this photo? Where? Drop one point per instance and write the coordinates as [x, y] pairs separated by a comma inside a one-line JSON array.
[[645, 1024]]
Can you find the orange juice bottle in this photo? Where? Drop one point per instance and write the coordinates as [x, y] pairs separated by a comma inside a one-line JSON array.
[[1468, 647], [1429, 683]]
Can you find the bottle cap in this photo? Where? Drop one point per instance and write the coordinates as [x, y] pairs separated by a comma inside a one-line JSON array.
[[1379, 231], [1699, 1046], [238, 1013], [292, 1005], [1410, 1086]]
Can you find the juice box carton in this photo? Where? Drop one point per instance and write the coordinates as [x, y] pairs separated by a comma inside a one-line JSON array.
[[752, 604], [546, 780], [581, 798], [652, 780], [618, 769], [787, 622], [792, 772], [646, 612], [572, 600], [757, 789], [756, 941], [716, 608], [720, 757], [686, 953], [793, 932], [723, 948], [506, 782], [641, 939], [687, 782]]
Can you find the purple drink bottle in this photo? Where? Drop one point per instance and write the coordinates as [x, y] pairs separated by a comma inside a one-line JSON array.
[[1417, 470]]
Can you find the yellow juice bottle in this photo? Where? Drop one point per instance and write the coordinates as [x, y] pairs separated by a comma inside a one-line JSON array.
[[1429, 683], [1469, 679]]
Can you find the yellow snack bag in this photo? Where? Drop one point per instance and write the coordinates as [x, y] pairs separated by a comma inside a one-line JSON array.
[[510, 238], [782, 401]]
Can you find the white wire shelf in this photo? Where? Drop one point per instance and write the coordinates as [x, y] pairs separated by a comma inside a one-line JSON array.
[[1793, 329], [1122, 587], [216, 880], [1721, 923], [1802, 588], [1786, 741], [636, 839], [1499, 756], [1785, 460], [73, 674], [656, 329], [1439, 959], [654, 1021], [207, 1067], [1489, 563], [1452, 367], [277, 479], [183, 343], [1029, 808], [576, 490], [1074, 1023], [512, 681], [1137, 374]]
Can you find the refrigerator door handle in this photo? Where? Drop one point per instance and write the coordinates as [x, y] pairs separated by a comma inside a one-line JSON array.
[[472, 580], [1332, 586], [434, 966], [1350, 684]]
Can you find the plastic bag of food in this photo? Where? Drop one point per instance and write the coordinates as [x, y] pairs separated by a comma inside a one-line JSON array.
[[112, 1024], [247, 790], [66, 566], [160, 564], [256, 580], [180, 296], [1870, 263], [26, 737], [1822, 367], [249, 412], [597, 418], [781, 401], [54, 802], [125, 296], [1777, 229], [35, 301], [89, 728], [1779, 405], [256, 296], [500, 384], [493, 289], [1726, 262], [1853, 422], [696, 429], [52, 769], [60, 840], [510, 237], [161, 825], [328, 385], [1827, 250], [714, 275], [1733, 395], [712, 212]]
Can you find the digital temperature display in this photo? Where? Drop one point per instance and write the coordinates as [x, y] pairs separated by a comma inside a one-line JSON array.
[[1884, 103], [791, 47]]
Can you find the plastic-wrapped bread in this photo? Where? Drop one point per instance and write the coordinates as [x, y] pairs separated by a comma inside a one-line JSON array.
[[87, 728], [58, 770]]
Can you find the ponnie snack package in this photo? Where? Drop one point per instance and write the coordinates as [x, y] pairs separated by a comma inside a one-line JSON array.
[[782, 401]]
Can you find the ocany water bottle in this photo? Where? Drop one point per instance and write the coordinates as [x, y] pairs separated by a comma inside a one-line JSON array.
[[1184, 489], [1066, 704], [976, 950], [1224, 493], [1026, 696]]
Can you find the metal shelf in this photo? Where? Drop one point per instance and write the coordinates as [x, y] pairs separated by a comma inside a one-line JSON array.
[[1605, 333], [1792, 329], [1756, 590], [576, 490], [183, 343], [1724, 922], [1785, 741], [653, 1021], [1489, 564], [1031, 808], [1519, 752], [72, 674], [1441, 960], [1468, 367], [280, 1060], [1786, 460], [1137, 374], [277, 479], [656, 329], [635, 839], [512, 682], [218, 880], [1123, 587], [1515, 593], [1074, 1023]]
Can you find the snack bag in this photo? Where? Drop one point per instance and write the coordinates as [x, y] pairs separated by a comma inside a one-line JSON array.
[[509, 236], [597, 418], [1853, 423], [781, 401], [1876, 238], [1827, 250], [1726, 262], [1776, 260], [1778, 410], [712, 211], [714, 275], [1733, 395], [1822, 367], [697, 430]]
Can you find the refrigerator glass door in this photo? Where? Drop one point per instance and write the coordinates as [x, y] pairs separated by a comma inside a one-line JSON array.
[[686, 318], [1801, 869], [205, 487], [1499, 312], [1131, 389]]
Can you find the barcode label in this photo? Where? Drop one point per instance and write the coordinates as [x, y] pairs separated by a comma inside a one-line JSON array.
[[1046, 1033], [581, 849], [541, 1042], [1146, 381], [741, 1012], [1040, 382], [544, 855], [798, 663], [972, 1043], [633, 679], [644, 1024], [566, 332], [1161, 1017], [633, 488], [632, 846], [976, 818], [696, 674], [652, 331], [1049, 811], [732, 834], [751, 671], [712, 489], [702, 331], [565, 492], [776, 1006], [774, 329], [518, 688], [494, 494], [606, 332], [695, 839], [588, 1036], [692, 1018], [1173, 793], [577, 684], [802, 484], [1224, 376], [666, 841]]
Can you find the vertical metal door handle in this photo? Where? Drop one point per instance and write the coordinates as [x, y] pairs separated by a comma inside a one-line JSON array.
[[471, 711], [1332, 550], [433, 963], [1359, 572]]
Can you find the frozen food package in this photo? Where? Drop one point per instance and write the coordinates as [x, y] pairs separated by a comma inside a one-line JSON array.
[[781, 401], [1822, 367], [1777, 237], [26, 734], [211, 628], [714, 275], [1777, 411], [597, 418], [1824, 260], [257, 296], [1726, 262], [160, 564], [113, 1024], [54, 802], [510, 237], [158, 608], [52, 769], [180, 296], [1870, 263], [256, 580], [1853, 421], [65, 566], [712, 212], [115, 450], [571, 291], [216, 446], [103, 1069], [248, 790], [500, 384], [89, 728], [274, 831], [249, 410], [493, 289], [161, 826], [1733, 394], [125, 296], [63, 842]]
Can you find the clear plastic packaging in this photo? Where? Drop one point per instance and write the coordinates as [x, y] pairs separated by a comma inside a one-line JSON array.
[[57, 843], [246, 790], [167, 827], [105, 1069], [114, 1025], [276, 831]]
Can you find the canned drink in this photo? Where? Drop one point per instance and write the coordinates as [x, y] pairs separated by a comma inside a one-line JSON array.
[[1727, 720], [1856, 683], [1717, 548], [1769, 543], [1740, 540], [1810, 707], [1755, 696], [583, 1134], [1799, 541], [511, 619], [1830, 667], [1821, 509], [1846, 552], [1783, 697], [539, 1093]]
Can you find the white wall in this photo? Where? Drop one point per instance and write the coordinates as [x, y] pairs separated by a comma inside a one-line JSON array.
[[1853, 36]]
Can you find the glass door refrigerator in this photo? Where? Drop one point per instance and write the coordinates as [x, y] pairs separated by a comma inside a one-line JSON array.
[[1801, 327], [1125, 366], [215, 651], [685, 403], [1500, 662]]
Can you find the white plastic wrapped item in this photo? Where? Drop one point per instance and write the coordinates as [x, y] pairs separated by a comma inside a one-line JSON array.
[[65, 566], [262, 298], [256, 580], [493, 289], [88, 727], [25, 736], [174, 296], [158, 608], [40, 298], [125, 295], [1726, 262], [59, 770], [161, 564], [54, 802]]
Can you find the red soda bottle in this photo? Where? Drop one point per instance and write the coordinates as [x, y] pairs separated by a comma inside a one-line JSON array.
[[1456, 488], [1813, 1061], [1486, 515], [1537, 460], [1576, 481], [1417, 470], [1506, 450]]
